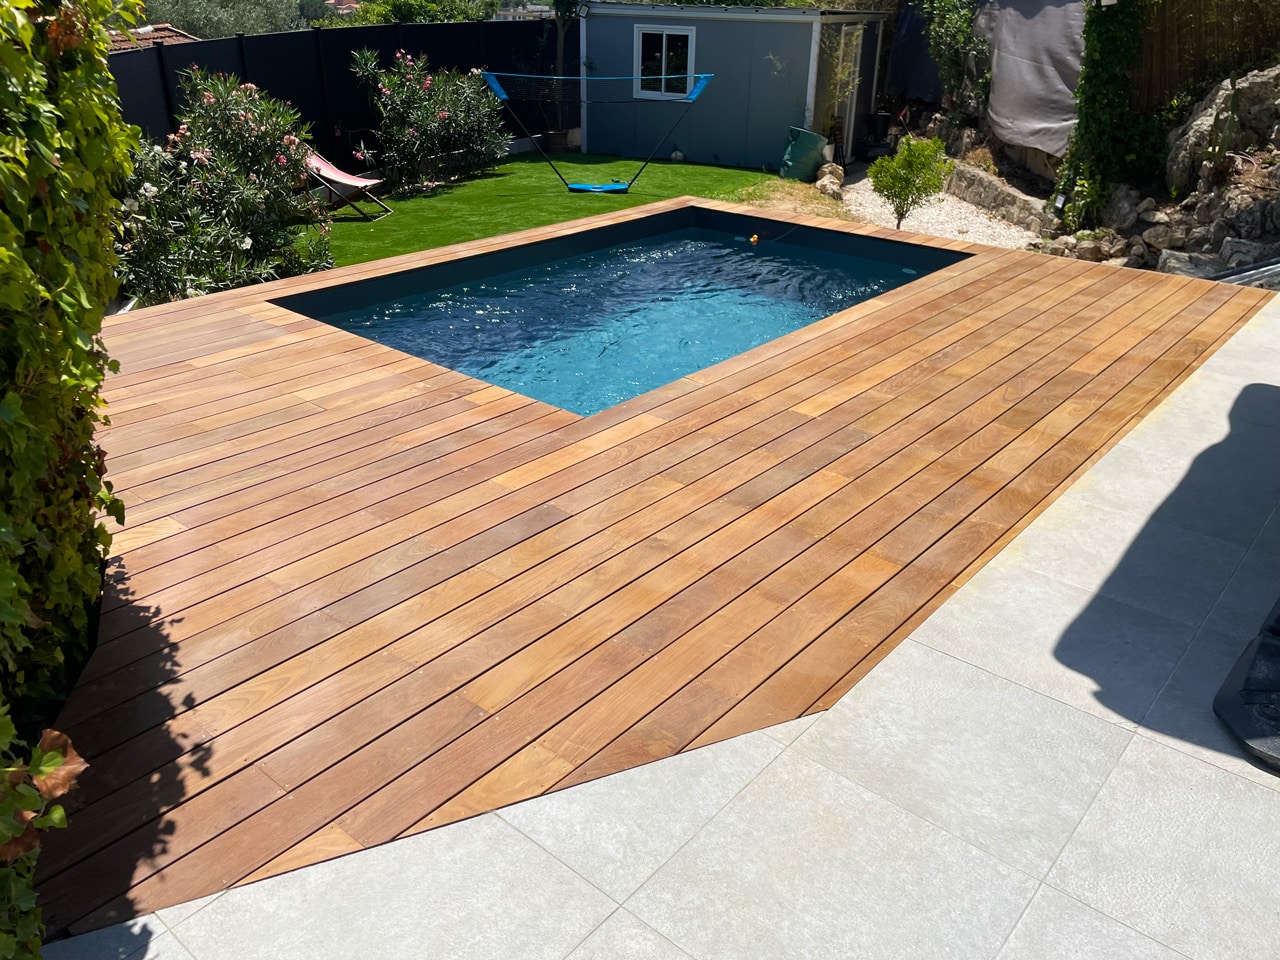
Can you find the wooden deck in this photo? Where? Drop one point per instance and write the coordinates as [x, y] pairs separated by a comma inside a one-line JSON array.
[[360, 596]]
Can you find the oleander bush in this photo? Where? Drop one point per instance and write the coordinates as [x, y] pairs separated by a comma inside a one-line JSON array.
[[64, 154], [224, 202], [433, 126]]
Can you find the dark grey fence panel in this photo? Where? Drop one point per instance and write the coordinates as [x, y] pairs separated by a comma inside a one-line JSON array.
[[288, 67], [143, 97], [312, 69]]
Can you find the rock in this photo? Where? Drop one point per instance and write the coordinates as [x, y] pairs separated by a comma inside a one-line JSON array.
[[1121, 212], [1274, 174], [1275, 136], [1033, 225], [1219, 230], [1248, 221], [831, 170], [1153, 216], [829, 187], [1090, 250], [1189, 264], [1069, 242], [1115, 246], [1146, 205], [1117, 261], [1197, 239], [1208, 208], [1188, 143], [1057, 248], [1259, 119], [1177, 238], [1274, 216], [1238, 252], [1137, 248], [1158, 236]]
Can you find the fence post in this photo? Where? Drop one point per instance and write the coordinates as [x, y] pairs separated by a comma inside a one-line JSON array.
[[325, 108], [163, 63], [244, 59]]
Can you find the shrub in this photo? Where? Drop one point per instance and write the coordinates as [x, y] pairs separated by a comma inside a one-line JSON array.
[[26, 789], [63, 152], [911, 176], [961, 55], [221, 205], [431, 126]]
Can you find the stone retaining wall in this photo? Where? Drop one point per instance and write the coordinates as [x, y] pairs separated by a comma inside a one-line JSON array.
[[996, 197]]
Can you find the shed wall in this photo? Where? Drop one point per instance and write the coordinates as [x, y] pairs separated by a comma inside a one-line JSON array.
[[762, 64]]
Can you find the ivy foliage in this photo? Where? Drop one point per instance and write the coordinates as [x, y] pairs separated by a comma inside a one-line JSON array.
[[64, 151], [1112, 142]]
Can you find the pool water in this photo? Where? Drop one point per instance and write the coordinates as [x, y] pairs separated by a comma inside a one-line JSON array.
[[589, 331]]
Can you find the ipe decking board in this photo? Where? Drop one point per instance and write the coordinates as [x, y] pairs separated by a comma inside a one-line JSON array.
[[359, 595]]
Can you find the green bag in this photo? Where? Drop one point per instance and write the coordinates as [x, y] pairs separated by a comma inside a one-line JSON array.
[[803, 155]]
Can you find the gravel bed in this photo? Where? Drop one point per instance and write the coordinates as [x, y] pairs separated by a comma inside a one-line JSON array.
[[943, 216]]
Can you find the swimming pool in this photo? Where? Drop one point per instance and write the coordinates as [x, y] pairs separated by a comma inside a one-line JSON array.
[[587, 321]]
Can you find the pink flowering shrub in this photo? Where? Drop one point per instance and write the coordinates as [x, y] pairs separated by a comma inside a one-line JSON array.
[[222, 203], [433, 125]]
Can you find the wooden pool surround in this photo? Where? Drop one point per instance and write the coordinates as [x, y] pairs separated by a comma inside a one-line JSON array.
[[359, 595]]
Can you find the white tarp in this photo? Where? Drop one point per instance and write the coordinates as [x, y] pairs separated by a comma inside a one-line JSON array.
[[1036, 46]]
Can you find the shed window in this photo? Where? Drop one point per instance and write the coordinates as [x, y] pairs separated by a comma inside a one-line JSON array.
[[664, 61]]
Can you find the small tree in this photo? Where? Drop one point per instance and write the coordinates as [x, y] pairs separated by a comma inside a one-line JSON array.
[[910, 177], [961, 55]]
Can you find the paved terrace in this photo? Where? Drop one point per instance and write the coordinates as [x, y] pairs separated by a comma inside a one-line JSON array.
[[1033, 773]]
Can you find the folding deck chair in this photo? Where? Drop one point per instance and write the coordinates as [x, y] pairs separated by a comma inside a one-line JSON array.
[[330, 177]]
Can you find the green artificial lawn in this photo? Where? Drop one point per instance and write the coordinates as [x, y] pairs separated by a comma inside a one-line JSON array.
[[522, 193]]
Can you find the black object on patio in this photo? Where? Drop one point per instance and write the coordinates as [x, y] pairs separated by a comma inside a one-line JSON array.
[[1249, 700]]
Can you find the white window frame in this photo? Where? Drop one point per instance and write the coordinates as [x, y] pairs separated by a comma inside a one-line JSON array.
[[666, 31]]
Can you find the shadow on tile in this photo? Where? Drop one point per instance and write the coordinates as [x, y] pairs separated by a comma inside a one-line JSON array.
[[1229, 493]]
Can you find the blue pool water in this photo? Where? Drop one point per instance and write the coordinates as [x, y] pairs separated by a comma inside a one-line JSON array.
[[586, 332]]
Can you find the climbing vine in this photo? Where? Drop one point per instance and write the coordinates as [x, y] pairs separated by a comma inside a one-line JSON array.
[[64, 151], [1112, 141]]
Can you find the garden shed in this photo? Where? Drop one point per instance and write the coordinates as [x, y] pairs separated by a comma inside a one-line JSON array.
[[774, 68]]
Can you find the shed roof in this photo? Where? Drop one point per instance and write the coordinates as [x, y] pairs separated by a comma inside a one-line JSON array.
[[147, 35], [872, 8]]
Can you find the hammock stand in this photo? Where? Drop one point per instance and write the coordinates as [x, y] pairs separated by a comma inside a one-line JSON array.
[[616, 186]]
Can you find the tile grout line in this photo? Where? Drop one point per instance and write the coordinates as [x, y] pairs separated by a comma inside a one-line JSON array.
[[1018, 922], [1120, 724], [706, 823]]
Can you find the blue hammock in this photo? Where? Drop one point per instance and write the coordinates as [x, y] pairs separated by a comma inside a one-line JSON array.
[[541, 86]]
